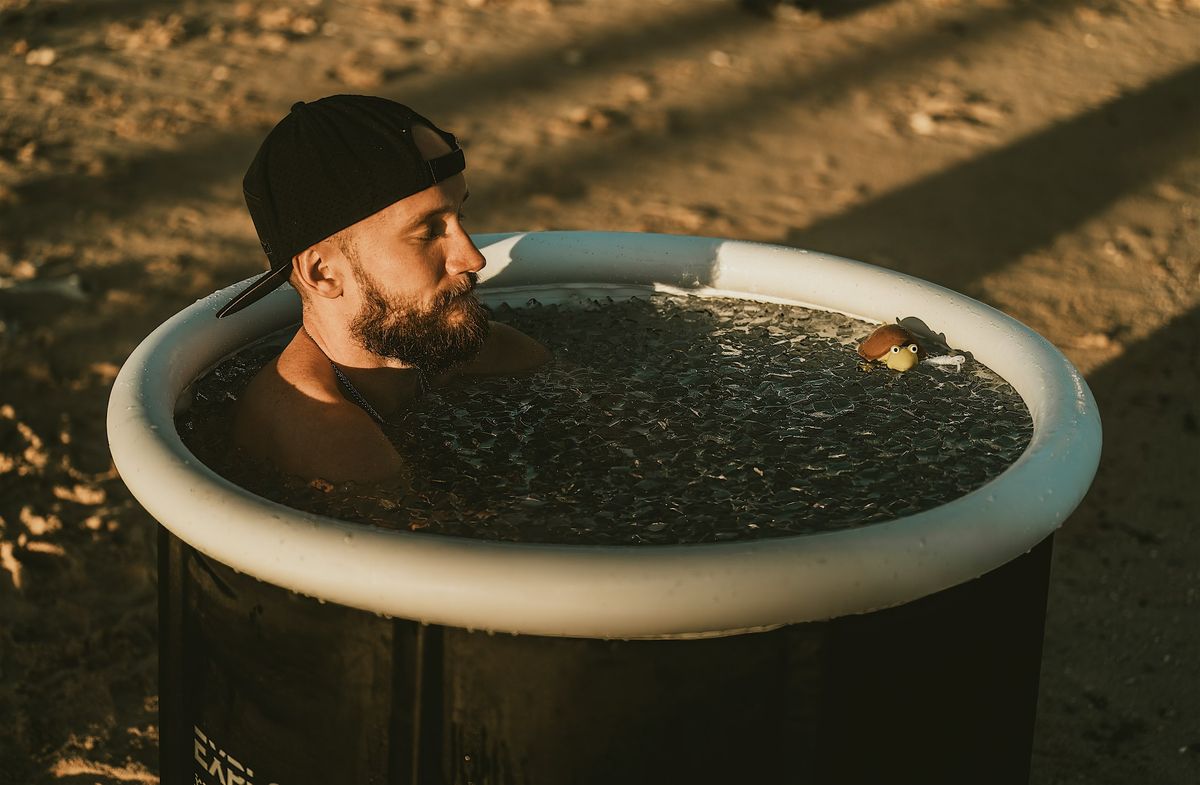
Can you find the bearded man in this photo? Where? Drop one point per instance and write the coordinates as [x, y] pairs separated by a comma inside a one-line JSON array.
[[358, 203]]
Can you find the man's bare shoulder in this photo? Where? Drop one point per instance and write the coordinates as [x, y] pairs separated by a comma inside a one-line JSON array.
[[310, 431], [507, 350]]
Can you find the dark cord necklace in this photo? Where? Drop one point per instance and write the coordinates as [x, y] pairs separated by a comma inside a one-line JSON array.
[[355, 395]]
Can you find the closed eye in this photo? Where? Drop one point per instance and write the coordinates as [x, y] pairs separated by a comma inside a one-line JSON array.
[[435, 223]]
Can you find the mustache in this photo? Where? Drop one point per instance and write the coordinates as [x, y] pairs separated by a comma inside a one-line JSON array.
[[463, 289]]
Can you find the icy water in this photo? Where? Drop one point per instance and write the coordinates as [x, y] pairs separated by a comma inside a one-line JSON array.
[[663, 420]]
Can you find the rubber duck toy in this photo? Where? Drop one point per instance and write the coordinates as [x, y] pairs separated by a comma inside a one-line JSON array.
[[891, 345]]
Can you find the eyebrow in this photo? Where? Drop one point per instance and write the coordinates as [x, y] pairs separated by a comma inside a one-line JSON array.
[[425, 216]]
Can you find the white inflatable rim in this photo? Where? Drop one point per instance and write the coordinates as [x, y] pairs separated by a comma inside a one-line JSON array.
[[630, 591]]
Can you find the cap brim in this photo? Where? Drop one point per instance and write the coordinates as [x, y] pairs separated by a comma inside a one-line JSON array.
[[265, 284]]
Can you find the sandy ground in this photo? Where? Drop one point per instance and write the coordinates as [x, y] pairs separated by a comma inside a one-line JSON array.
[[1042, 156]]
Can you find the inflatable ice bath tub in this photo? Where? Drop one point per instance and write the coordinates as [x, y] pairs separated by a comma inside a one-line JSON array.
[[300, 649]]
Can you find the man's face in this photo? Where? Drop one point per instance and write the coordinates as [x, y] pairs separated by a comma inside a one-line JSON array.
[[434, 339], [414, 268]]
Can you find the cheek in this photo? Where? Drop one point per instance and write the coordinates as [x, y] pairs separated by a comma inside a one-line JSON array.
[[406, 268]]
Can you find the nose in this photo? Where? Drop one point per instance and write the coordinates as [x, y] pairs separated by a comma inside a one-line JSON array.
[[465, 258]]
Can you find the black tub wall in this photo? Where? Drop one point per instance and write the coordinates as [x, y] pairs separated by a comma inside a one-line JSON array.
[[940, 690]]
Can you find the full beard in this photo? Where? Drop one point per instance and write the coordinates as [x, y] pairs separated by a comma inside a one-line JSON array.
[[435, 339]]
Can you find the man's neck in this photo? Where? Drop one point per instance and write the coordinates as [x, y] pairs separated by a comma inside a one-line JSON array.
[[385, 383]]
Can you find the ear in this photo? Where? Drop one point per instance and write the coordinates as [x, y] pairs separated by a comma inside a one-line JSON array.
[[313, 273]]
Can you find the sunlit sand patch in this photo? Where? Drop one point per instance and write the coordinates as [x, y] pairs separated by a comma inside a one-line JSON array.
[[10, 564], [39, 525], [78, 767]]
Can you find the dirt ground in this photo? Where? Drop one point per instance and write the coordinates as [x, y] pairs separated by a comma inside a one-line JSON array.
[[1040, 155]]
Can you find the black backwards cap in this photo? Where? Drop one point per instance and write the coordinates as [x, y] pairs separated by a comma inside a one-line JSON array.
[[328, 165]]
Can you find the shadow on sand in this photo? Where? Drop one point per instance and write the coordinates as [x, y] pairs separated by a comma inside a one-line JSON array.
[[1124, 576], [958, 225]]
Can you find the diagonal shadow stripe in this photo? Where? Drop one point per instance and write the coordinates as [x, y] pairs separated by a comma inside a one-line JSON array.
[[828, 9], [1147, 399], [1134, 534], [483, 88], [63, 205], [75, 13], [963, 222], [206, 158], [711, 123]]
